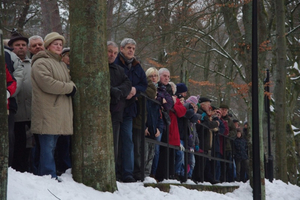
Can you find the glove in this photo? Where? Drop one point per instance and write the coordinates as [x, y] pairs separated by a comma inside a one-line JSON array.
[[115, 92], [182, 147], [7, 94], [191, 149], [197, 148], [72, 93]]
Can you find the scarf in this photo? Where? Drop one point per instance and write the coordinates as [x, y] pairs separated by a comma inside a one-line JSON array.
[[127, 61]]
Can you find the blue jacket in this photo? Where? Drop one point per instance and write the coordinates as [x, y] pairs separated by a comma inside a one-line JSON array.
[[240, 149], [138, 79]]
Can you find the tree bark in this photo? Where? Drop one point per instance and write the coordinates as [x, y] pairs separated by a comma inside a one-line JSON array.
[[92, 150], [3, 127], [280, 94]]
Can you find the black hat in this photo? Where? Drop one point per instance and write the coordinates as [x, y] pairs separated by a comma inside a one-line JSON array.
[[181, 88], [204, 99], [213, 108], [235, 120], [16, 36], [224, 106]]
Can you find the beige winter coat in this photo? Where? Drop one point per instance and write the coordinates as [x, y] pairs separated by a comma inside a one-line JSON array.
[[51, 111]]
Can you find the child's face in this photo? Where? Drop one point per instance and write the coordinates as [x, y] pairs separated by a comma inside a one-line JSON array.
[[238, 134]]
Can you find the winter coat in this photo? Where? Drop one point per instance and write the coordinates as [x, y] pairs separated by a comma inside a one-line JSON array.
[[226, 132], [154, 118], [193, 139], [217, 136], [120, 87], [206, 132], [240, 149], [14, 66], [23, 97], [151, 93], [178, 111], [138, 79], [52, 111], [232, 132], [11, 84], [162, 93]]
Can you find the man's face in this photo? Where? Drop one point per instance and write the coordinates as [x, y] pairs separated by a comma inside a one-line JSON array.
[[20, 48], [224, 111], [112, 53], [165, 78], [128, 50], [36, 45], [206, 106]]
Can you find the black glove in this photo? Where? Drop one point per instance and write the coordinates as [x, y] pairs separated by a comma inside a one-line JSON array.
[[72, 93], [116, 93]]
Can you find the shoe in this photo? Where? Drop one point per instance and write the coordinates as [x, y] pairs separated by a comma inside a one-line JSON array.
[[58, 179], [129, 179]]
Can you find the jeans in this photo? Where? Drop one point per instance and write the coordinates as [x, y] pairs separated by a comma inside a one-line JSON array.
[[127, 148], [192, 164], [156, 156], [179, 161], [47, 147]]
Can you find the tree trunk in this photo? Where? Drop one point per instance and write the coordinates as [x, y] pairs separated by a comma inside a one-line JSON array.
[[3, 127], [280, 94], [50, 17], [92, 148]]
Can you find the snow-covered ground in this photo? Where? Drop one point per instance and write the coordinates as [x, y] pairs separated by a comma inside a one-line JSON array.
[[25, 186]]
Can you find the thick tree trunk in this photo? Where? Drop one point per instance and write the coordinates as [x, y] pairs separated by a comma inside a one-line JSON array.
[[280, 94], [3, 128], [92, 152]]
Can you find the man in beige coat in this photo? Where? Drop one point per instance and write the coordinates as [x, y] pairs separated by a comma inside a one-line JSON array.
[[52, 89]]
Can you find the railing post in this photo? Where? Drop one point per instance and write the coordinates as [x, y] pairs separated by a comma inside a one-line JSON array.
[[143, 138]]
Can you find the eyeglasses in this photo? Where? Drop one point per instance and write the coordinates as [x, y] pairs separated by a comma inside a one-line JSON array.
[[152, 76]]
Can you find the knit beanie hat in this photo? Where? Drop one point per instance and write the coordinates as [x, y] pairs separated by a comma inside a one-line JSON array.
[[49, 38], [192, 99], [181, 88]]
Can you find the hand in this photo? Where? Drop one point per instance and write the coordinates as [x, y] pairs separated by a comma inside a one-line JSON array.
[[164, 101], [147, 132], [174, 99], [191, 149], [182, 147], [7, 96], [157, 132], [132, 93], [72, 93]]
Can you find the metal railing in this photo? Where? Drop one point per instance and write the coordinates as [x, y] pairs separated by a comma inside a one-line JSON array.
[[202, 156]]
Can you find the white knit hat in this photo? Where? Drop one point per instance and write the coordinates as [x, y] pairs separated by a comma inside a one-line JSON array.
[[49, 38]]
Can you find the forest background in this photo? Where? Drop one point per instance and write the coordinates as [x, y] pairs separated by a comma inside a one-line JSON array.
[[207, 45]]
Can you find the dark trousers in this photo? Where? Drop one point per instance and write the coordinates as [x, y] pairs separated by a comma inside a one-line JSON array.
[[116, 133], [63, 153], [11, 137], [21, 153], [161, 172], [137, 140], [241, 170]]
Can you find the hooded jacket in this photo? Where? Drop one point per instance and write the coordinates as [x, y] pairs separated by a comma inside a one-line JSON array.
[[52, 111]]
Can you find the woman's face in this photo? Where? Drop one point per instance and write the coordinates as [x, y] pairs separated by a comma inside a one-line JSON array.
[[154, 77], [56, 47]]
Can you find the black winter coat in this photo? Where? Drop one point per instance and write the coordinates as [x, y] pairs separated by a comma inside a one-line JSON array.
[[240, 149], [120, 87]]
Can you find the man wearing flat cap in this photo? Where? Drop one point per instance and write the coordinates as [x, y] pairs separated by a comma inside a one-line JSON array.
[[228, 148], [205, 134], [19, 43]]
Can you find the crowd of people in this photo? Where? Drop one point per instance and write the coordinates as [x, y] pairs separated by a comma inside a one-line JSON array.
[[40, 117]]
